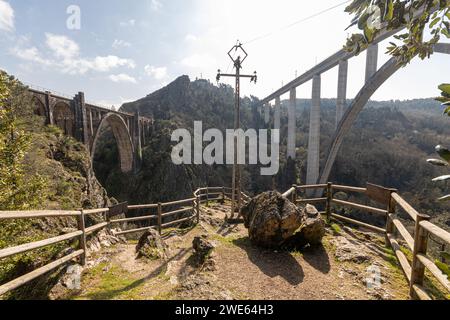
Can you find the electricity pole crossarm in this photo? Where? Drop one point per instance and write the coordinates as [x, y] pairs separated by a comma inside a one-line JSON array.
[[236, 181], [253, 78]]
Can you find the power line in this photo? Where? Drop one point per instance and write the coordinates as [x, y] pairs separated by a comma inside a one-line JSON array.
[[297, 22]]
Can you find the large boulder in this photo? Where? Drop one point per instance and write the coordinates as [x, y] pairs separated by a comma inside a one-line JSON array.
[[272, 221], [151, 246]]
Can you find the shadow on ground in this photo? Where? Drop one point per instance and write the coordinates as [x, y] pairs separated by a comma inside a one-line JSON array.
[[272, 263]]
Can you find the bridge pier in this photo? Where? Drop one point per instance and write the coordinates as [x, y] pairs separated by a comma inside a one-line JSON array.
[[277, 114], [292, 123], [312, 174], [341, 91], [267, 113], [371, 61], [137, 142]]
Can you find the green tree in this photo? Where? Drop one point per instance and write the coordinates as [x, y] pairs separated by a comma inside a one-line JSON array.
[[415, 16], [18, 190]]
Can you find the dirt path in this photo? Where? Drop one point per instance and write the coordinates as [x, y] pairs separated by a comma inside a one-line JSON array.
[[337, 270]]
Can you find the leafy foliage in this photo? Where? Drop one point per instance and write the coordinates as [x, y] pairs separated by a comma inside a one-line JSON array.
[[445, 97], [18, 191], [417, 16]]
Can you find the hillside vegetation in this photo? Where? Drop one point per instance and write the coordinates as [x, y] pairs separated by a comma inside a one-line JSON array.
[[388, 145], [40, 168]]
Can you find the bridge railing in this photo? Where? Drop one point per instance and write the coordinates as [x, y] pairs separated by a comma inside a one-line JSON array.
[[417, 244], [158, 220]]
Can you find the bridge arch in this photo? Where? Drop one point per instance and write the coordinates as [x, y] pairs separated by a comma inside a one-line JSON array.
[[39, 107], [123, 140], [372, 85], [64, 117]]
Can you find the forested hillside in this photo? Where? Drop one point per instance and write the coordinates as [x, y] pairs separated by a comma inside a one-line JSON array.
[[40, 168], [388, 145]]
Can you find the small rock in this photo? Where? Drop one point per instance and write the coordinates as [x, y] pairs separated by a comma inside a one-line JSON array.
[[347, 251], [151, 246], [203, 249]]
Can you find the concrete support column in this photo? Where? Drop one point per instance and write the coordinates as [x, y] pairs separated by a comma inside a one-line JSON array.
[[341, 91], [277, 115], [371, 61], [292, 119], [266, 113], [91, 123], [312, 174], [136, 136]]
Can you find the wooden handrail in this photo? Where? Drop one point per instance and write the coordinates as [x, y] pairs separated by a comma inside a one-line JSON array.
[[360, 206], [171, 213], [143, 206], [403, 232], [406, 267], [430, 265], [132, 219], [289, 192], [37, 214], [173, 203], [434, 229], [95, 228], [4, 253], [356, 222], [312, 186], [38, 272], [407, 207], [95, 211], [348, 188], [312, 200]]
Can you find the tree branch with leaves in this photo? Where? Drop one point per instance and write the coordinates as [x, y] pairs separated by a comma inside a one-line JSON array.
[[416, 17]]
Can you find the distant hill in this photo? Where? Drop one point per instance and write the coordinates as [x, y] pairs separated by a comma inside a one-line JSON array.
[[388, 145]]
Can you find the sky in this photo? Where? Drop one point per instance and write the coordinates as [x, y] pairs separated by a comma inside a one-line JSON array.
[[118, 51]]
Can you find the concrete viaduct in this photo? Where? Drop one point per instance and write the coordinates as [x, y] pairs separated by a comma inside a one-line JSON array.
[[345, 116], [85, 122]]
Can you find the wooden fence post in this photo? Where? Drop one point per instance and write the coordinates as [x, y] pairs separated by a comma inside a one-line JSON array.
[[328, 203], [198, 209], [223, 195], [294, 194], [159, 218], [420, 247], [82, 227], [207, 196], [389, 224]]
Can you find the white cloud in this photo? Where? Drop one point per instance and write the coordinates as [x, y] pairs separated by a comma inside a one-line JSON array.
[[109, 62], [156, 72], [31, 54], [6, 16], [155, 5], [199, 61], [120, 43], [122, 78], [190, 38], [62, 46], [66, 53], [129, 23]]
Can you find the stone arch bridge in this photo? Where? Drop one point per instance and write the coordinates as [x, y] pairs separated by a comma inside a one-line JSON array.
[[85, 122]]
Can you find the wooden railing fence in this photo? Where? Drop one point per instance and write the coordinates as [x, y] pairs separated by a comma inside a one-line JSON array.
[[157, 218], [391, 202]]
